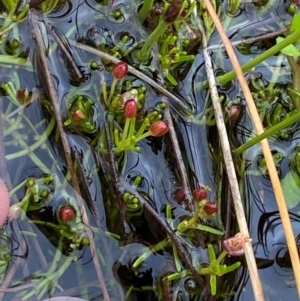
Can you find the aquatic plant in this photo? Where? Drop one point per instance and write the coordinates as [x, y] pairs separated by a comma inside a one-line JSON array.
[[110, 152]]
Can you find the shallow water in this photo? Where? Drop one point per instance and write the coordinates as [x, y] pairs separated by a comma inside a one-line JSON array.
[[36, 248]]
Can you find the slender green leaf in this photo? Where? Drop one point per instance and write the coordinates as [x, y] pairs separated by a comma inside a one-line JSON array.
[[207, 229]]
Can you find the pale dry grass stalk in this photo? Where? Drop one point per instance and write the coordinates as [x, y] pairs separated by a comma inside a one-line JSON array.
[[288, 230], [232, 178]]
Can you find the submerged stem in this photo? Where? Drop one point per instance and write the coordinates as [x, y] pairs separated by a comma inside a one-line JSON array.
[[144, 11]]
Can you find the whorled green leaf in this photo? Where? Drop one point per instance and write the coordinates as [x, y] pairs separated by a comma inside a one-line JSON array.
[[207, 229], [288, 50]]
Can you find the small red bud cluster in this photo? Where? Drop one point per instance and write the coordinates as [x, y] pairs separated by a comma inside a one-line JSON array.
[[200, 194], [210, 208], [204, 206]]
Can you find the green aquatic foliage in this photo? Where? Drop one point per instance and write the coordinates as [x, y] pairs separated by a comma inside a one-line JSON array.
[[215, 268], [14, 12], [81, 114]]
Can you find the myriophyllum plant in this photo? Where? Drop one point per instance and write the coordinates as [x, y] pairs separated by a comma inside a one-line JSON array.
[[233, 246], [81, 113], [14, 12], [172, 14], [128, 139], [205, 209]]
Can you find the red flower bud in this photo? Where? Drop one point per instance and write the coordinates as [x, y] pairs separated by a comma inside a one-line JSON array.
[[120, 70], [67, 214], [199, 194], [78, 115], [130, 108], [159, 128], [211, 208]]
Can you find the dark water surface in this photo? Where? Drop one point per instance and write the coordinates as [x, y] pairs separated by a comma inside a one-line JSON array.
[[33, 247]]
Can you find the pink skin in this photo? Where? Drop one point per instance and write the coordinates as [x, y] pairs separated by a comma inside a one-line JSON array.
[[4, 201]]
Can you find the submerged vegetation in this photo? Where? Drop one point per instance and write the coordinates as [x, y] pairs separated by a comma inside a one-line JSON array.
[[111, 156]]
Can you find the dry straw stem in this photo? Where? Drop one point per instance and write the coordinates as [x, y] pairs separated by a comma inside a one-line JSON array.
[[249, 254], [266, 151]]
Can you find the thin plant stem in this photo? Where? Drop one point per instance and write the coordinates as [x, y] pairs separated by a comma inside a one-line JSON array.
[[144, 11], [116, 181], [143, 136], [112, 90], [8, 59], [3, 168], [132, 127], [35, 145], [144, 53], [14, 124], [67, 150], [223, 79], [11, 272], [250, 40], [179, 160], [66, 52], [296, 81], [143, 126], [173, 237], [268, 132], [284, 214], [126, 128], [35, 159]]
